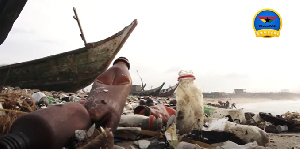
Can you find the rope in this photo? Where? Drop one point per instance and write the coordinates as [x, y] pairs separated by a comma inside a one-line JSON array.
[[7, 110]]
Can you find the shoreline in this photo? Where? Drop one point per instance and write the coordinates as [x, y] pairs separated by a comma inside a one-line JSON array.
[[256, 105]]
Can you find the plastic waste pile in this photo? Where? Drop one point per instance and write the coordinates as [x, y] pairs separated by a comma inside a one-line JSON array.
[[105, 119]]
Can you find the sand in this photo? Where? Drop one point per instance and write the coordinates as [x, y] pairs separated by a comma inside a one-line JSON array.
[[255, 105], [284, 141]]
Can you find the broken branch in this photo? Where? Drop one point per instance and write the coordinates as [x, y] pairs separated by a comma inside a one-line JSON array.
[[78, 21]]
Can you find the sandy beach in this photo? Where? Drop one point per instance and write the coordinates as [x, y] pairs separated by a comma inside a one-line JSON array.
[[284, 141], [276, 107]]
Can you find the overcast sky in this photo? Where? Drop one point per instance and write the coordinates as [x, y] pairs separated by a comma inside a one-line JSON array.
[[214, 39]]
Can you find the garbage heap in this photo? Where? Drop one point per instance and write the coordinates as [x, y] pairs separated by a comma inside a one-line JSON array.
[[146, 122]]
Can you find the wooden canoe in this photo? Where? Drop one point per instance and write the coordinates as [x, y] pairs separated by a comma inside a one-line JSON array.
[[167, 92], [69, 71], [151, 92]]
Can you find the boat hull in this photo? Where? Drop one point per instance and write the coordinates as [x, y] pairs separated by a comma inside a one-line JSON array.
[[152, 92], [169, 91], [9, 12], [69, 71]]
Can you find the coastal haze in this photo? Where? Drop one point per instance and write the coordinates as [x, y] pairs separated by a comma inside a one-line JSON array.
[[214, 39]]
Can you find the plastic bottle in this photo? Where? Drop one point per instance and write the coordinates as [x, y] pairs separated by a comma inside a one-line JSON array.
[[282, 128], [108, 95], [189, 104], [49, 128], [160, 111], [145, 122]]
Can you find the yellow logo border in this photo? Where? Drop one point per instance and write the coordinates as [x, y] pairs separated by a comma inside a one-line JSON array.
[[269, 32]]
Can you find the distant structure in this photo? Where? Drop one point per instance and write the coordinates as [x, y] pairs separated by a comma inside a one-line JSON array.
[[284, 91], [135, 88], [214, 95], [239, 91]]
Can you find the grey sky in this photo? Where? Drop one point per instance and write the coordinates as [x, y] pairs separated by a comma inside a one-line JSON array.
[[215, 39]]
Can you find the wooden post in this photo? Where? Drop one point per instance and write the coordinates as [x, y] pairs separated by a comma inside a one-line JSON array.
[[78, 21]]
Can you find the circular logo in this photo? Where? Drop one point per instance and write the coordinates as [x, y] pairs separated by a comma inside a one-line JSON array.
[[267, 23]]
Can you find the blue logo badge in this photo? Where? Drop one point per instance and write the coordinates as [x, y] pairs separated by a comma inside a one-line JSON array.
[[267, 23]]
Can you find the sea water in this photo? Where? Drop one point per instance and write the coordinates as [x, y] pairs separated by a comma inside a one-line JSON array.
[[275, 107]]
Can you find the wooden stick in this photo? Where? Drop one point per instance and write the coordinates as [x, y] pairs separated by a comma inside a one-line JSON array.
[[78, 21], [143, 85]]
